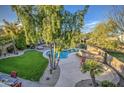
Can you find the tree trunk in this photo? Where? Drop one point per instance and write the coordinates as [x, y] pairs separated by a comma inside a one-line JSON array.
[[13, 41], [50, 61], [2, 50], [119, 74], [105, 58], [40, 40], [93, 78], [53, 30], [51, 57], [54, 58], [105, 62], [58, 60]]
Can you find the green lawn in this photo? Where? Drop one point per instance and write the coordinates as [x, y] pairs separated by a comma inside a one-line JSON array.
[[30, 65], [118, 55]]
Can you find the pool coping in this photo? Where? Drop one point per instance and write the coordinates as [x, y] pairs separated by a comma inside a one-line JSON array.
[[44, 53]]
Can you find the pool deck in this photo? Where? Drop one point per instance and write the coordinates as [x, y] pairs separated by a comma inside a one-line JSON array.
[[70, 73]]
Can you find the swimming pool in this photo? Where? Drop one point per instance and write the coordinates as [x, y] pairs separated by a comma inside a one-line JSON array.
[[64, 53]]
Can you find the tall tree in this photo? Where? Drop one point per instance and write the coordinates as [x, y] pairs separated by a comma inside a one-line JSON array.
[[117, 15], [101, 37], [27, 20], [61, 29], [51, 23]]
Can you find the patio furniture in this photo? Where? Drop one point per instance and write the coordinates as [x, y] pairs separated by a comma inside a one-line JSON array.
[[7, 80], [83, 60], [14, 74], [3, 85], [19, 84], [40, 47], [4, 54]]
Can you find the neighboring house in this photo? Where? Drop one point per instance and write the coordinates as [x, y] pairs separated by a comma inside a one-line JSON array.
[[4, 48]]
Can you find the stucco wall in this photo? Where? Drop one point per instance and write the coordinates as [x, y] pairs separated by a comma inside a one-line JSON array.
[[95, 50], [118, 65], [111, 60]]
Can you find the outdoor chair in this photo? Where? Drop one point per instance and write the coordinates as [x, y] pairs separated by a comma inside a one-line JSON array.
[[14, 74], [40, 48], [17, 84], [4, 54], [83, 60]]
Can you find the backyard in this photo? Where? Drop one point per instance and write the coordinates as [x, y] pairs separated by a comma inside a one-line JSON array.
[[30, 65], [48, 46]]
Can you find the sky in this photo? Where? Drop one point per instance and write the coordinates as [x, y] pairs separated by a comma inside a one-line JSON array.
[[95, 14]]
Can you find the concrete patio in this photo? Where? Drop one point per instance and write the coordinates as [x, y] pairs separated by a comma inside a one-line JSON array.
[[70, 73]]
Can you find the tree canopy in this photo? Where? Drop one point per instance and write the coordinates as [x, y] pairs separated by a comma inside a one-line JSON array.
[[102, 36]]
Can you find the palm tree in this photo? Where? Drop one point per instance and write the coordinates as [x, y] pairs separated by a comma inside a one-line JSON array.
[[94, 68]]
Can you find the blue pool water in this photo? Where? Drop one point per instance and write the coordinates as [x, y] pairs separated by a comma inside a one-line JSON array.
[[64, 53]]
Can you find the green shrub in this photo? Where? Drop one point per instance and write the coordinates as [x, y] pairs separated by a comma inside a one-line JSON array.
[[20, 42], [106, 83]]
